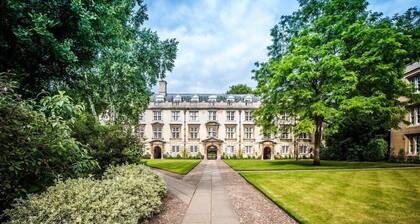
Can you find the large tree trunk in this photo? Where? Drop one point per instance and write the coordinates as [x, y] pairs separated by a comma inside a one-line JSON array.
[[317, 143]]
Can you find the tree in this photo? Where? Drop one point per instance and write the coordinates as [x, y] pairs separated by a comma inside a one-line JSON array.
[[330, 58], [240, 89], [98, 51]]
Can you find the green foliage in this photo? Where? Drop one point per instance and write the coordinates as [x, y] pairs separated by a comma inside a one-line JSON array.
[[331, 59], [110, 144], [240, 89], [375, 150], [126, 194], [36, 149]]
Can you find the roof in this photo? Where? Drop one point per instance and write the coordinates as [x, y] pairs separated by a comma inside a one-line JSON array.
[[186, 97]]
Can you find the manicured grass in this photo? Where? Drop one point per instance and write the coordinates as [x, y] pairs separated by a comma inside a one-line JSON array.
[[179, 166], [344, 196], [305, 165]]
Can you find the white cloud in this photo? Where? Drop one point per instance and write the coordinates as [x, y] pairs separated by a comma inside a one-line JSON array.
[[219, 40]]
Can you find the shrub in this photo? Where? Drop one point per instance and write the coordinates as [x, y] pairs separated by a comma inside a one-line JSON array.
[[110, 144], [36, 149], [126, 194], [375, 150]]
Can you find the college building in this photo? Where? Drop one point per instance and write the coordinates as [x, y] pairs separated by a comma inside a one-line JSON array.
[[406, 139], [213, 125]]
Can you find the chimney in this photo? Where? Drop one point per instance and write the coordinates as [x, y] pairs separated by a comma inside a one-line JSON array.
[[162, 87]]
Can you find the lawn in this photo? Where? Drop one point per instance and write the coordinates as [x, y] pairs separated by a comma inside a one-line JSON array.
[[344, 196], [179, 166], [305, 165]]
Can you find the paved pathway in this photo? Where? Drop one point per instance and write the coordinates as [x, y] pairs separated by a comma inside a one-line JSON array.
[[210, 202], [216, 194]]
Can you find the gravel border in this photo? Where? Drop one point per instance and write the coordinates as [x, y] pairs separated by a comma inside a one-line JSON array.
[[172, 211], [251, 205]]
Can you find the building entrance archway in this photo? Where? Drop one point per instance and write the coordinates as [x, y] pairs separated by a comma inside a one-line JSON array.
[[157, 152], [267, 153], [212, 152]]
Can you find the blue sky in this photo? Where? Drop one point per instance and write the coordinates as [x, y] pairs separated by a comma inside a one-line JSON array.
[[219, 40]]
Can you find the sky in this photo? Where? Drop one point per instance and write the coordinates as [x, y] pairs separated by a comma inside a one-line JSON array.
[[220, 40]]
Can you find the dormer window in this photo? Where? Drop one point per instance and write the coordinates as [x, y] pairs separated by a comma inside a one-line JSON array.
[[160, 98], [177, 100], [194, 99], [248, 100], [230, 100], [212, 99]]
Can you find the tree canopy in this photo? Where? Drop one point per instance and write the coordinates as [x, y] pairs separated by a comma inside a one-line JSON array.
[[240, 89], [331, 57]]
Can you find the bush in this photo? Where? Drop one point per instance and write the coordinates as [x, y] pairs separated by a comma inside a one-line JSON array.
[[126, 194], [36, 149], [375, 150], [110, 144]]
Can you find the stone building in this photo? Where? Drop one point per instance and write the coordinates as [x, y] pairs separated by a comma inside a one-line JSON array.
[[212, 125], [407, 137]]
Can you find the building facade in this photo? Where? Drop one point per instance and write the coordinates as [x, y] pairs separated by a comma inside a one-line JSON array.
[[406, 139], [212, 125]]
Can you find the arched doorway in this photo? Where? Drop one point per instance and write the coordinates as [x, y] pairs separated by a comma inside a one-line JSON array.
[[267, 153], [212, 152], [157, 153]]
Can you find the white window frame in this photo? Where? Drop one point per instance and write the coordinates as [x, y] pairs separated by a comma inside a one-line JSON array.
[[193, 115], [193, 148], [176, 115], [230, 115], [284, 149], [248, 116], [175, 149], [249, 132], [194, 132], [175, 132], [230, 149], [212, 115], [212, 132], [230, 132], [157, 115], [157, 132], [249, 149]]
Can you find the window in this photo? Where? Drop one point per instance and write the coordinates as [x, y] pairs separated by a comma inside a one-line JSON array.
[[141, 131], [175, 149], [248, 116], [194, 132], [212, 131], [175, 132], [230, 115], [284, 117], [157, 132], [303, 149], [230, 149], [212, 115], [415, 116], [248, 149], [141, 117], [415, 81], [230, 132], [284, 149], [175, 115], [285, 134], [157, 115], [249, 132], [303, 136], [414, 145], [193, 148], [193, 115]]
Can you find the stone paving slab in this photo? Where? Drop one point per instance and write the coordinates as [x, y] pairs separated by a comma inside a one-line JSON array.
[[210, 203], [179, 188]]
